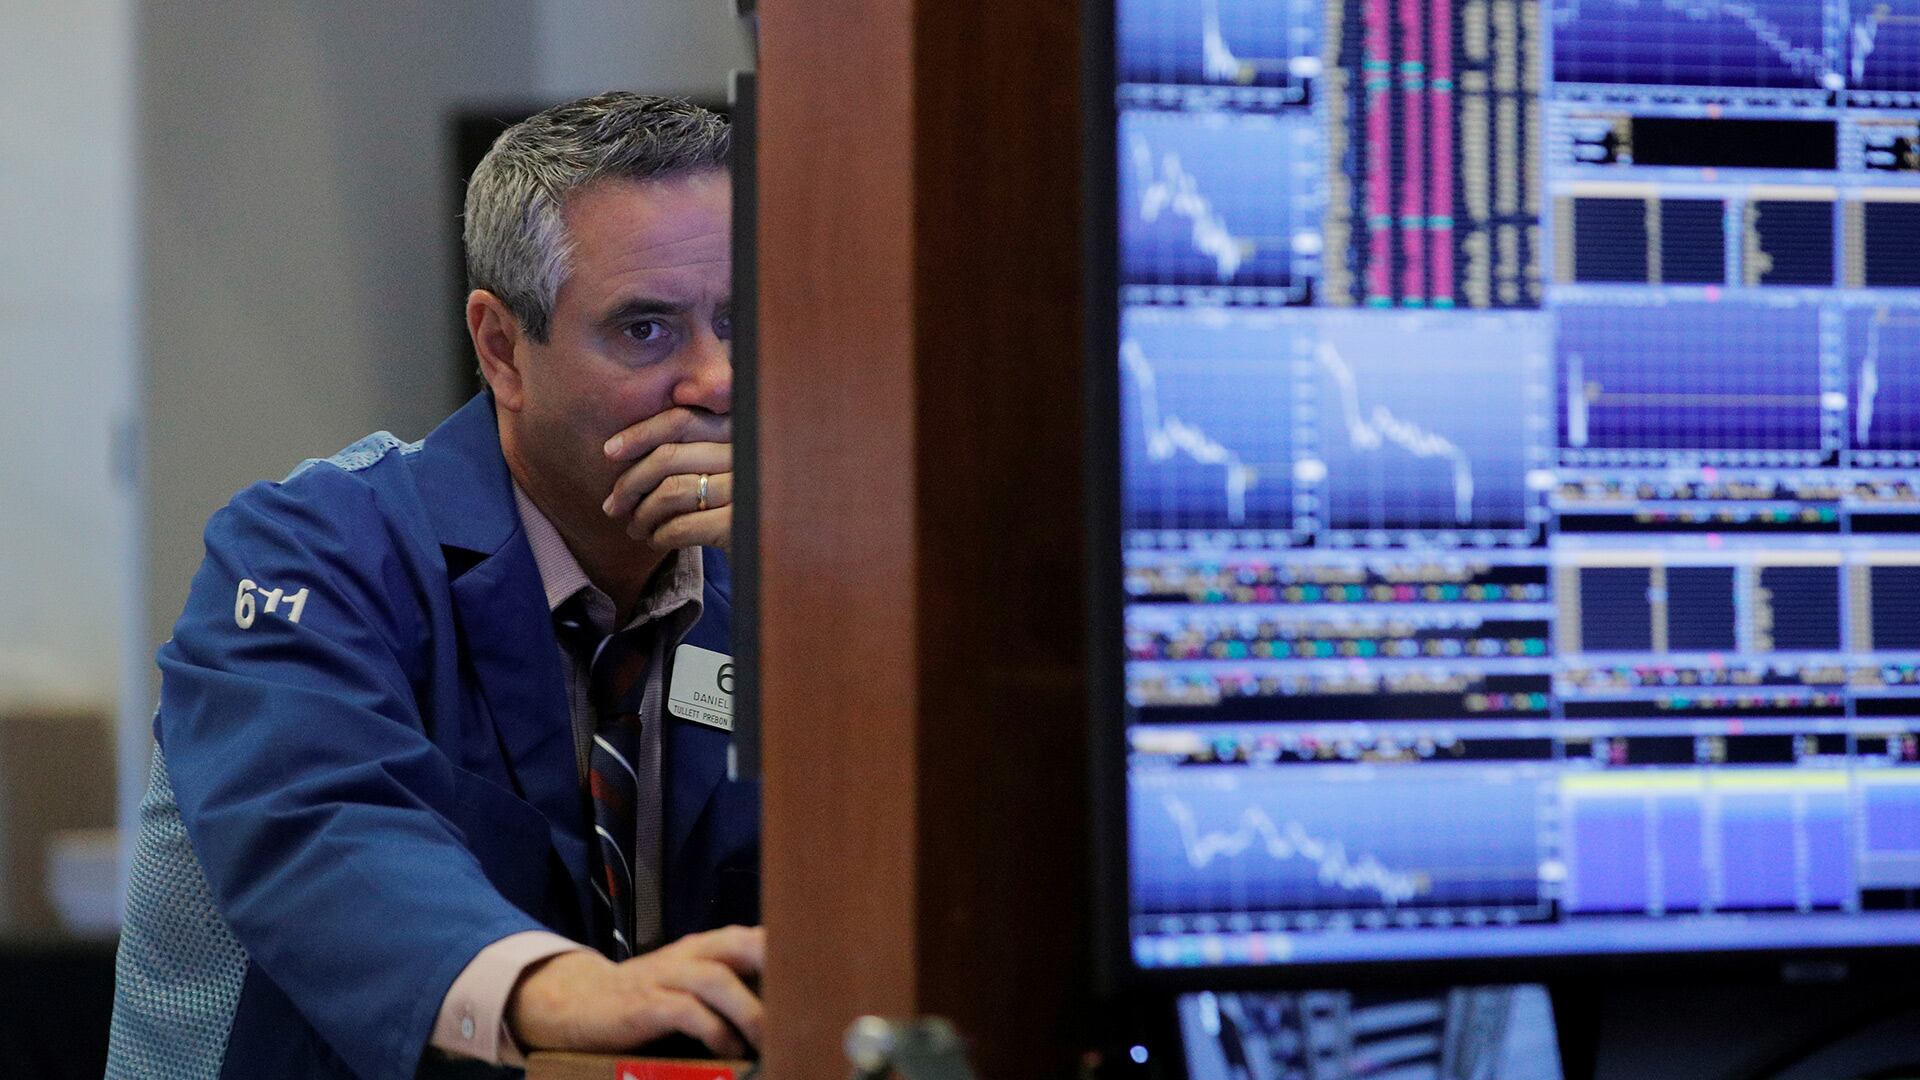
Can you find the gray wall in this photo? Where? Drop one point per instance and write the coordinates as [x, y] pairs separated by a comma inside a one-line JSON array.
[[68, 502], [293, 214], [665, 46], [67, 364], [297, 225]]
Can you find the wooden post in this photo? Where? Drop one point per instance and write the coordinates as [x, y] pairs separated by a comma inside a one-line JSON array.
[[919, 386]]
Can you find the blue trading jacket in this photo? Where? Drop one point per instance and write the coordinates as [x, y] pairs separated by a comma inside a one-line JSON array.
[[365, 773]]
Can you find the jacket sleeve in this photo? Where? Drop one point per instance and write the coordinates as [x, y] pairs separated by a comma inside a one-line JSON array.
[[320, 811]]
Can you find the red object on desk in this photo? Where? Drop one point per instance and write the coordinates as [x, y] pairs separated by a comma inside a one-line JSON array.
[[675, 1070]]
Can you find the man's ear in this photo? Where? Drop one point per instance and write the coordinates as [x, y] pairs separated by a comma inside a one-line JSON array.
[[500, 345]]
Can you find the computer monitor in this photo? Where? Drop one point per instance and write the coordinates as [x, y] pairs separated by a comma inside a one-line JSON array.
[[1506, 426], [1492, 1032]]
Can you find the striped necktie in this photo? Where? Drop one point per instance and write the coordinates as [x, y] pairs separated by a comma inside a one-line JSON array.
[[620, 773]]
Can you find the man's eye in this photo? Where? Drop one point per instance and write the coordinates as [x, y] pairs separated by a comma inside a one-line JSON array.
[[647, 330]]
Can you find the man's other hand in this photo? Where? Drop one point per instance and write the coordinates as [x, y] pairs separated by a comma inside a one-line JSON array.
[[657, 496], [696, 986]]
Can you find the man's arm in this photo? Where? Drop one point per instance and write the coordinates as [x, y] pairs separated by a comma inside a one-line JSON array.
[[695, 986], [324, 818], [540, 991], [472, 1021]]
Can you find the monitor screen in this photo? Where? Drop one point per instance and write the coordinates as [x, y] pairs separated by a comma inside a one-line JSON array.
[[1517, 523]]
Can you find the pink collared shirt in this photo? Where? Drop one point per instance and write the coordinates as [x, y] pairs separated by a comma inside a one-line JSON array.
[[472, 1019]]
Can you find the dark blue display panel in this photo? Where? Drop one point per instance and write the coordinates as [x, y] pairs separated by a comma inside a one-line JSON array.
[[1721, 382], [1818, 45], [1770, 43], [1326, 841], [1519, 427]]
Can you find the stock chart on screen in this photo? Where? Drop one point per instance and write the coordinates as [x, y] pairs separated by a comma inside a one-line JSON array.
[[1519, 428]]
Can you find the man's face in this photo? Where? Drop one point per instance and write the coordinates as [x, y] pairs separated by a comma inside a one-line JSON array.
[[641, 326]]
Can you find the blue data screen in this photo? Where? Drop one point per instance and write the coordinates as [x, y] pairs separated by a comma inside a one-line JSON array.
[[1520, 441]]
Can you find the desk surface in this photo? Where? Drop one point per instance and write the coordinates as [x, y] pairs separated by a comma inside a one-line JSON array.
[[559, 1066]]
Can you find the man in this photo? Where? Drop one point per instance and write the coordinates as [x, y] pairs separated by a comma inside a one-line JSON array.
[[405, 766]]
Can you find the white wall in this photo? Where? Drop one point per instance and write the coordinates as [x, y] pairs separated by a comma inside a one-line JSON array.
[[67, 352], [298, 225], [681, 47]]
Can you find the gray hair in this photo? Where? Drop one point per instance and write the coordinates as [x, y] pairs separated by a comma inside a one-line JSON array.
[[517, 245]]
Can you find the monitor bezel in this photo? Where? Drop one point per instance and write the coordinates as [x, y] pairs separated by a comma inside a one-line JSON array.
[[1116, 975]]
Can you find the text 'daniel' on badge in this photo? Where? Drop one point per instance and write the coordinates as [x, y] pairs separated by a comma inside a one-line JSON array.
[[702, 689]]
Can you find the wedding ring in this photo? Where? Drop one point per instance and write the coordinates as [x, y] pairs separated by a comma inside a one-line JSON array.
[[702, 493]]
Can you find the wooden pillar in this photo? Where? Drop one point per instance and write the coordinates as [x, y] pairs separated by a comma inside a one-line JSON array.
[[922, 670]]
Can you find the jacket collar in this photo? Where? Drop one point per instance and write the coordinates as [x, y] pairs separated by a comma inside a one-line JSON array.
[[464, 477], [503, 618]]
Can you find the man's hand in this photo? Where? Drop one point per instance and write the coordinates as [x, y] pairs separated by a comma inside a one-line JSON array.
[[657, 498], [697, 986]]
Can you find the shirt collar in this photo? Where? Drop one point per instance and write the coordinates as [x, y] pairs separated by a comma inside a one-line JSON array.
[[676, 584]]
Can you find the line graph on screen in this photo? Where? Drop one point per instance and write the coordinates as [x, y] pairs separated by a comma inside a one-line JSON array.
[[1883, 45], [1269, 44], [1166, 187], [1748, 43], [1206, 405], [1371, 430], [1210, 200], [1883, 348], [1222, 64], [1443, 439], [1332, 865], [1168, 437], [1721, 383], [1234, 838]]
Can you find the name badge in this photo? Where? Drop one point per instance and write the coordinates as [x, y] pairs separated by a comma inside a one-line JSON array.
[[702, 689]]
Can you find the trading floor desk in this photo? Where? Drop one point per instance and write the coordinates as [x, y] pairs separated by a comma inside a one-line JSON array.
[[558, 1066]]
